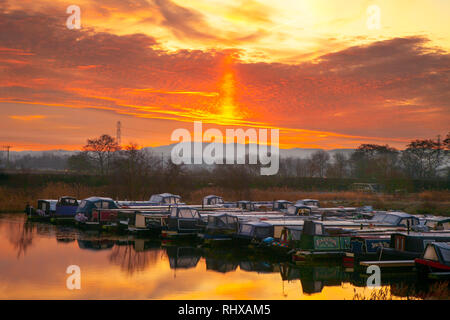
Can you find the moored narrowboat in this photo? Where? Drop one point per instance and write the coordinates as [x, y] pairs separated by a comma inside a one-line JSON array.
[[219, 228], [183, 222], [316, 243], [435, 262], [97, 211]]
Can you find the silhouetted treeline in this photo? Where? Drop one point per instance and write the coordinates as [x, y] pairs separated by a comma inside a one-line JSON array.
[[135, 173]]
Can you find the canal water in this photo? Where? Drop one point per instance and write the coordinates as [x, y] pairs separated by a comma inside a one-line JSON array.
[[34, 258]]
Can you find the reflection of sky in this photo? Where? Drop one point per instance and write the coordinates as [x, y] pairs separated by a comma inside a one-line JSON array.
[[122, 273]]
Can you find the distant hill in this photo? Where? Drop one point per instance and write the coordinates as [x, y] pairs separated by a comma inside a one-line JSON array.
[[165, 150]]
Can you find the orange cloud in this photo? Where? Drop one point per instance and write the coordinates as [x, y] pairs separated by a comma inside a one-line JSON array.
[[28, 118]]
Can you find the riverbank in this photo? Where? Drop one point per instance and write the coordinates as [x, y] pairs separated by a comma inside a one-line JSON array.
[[14, 199]]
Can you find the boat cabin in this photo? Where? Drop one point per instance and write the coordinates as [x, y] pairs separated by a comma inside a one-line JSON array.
[[280, 205], [314, 237], [184, 220], [84, 210], [436, 259], [164, 199], [309, 202], [46, 207], [219, 223], [212, 200], [245, 205], [299, 210], [255, 230], [437, 223], [66, 207], [416, 241], [399, 219]]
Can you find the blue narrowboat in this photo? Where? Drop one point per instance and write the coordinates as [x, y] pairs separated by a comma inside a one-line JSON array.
[[66, 207]]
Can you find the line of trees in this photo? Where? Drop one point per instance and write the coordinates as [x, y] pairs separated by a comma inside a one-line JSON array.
[[135, 172]]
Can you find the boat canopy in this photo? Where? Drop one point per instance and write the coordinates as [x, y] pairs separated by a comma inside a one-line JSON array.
[[396, 219], [184, 213], [309, 202], [67, 201], [281, 204], [439, 252], [47, 205], [256, 229], [246, 205], [222, 221], [165, 199], [212, 200], [88, 204], [299, 210]]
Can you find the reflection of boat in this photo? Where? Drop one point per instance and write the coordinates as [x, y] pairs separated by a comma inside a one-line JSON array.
[[314, 278], [220, 265], [183, 257], [95, 244], [257, 266]]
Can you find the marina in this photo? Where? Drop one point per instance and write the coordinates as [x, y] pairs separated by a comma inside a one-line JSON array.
[[274, 233], [124, 266]]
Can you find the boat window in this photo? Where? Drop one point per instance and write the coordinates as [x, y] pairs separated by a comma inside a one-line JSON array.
[[246, 229], [105, 205], [318, 229], [98, 204], [303, 212], [379, 217], [291, 210], [82, 204], [187, 214], [430, 254], [44, 206], [262, 232], [391, 219], [155, 198], [176, 200], [445, 254], [173, 213]]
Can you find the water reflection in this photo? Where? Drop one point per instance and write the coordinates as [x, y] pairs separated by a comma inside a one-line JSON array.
[[33, 264]]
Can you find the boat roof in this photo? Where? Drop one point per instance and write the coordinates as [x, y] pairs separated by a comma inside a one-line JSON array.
[[49, 200], [95, 199], [166, 194], [257, 223], [212, 196], [443, 245], [395, 213], [425, 234]]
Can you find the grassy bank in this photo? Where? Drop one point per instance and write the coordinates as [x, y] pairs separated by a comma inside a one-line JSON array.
[[14, 199]]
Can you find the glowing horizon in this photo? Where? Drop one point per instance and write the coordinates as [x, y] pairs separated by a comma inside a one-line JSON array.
[[315, 72]]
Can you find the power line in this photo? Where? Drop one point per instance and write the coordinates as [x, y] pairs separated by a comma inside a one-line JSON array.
[[7, 153], [119, 133]]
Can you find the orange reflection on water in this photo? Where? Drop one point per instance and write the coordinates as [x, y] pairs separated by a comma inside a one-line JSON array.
[[124, 268]]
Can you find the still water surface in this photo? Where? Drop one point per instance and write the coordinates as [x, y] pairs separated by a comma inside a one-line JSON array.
[[34, 258]]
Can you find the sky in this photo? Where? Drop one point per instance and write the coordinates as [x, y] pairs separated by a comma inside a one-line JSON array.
[[317, 70]]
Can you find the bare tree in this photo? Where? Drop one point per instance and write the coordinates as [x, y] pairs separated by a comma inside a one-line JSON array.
[[101, 150], [318, 163]]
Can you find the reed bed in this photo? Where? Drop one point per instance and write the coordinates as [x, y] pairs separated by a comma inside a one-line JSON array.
[[427, 202], [435, 291]]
